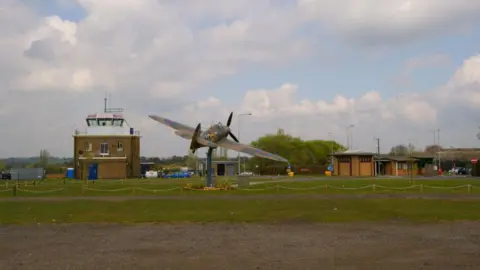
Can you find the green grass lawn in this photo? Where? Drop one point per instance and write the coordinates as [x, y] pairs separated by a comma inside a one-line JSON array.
[[198, 209], [217, 210], [139, 187]]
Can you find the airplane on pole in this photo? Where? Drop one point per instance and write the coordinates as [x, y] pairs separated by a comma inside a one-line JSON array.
[[215, 136]]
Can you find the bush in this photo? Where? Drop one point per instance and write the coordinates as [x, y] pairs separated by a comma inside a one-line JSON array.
[[224, 185], [192, 186]]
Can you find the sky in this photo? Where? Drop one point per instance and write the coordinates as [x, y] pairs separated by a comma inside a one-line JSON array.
[[397, 70]]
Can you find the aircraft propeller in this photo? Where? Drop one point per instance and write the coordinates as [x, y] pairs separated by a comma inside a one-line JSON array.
[[229, 121]]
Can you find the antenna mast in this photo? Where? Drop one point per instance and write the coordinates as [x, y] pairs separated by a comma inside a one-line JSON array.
[[108, 109], [105, 104]]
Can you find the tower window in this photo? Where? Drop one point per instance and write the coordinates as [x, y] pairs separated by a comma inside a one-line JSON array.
[[120, 147], [104, 149], [89, 147]]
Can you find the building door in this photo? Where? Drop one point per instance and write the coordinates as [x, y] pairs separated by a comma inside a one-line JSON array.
[[345, 166], [230, 170], [381, 168], [220, 169], [93, 171]]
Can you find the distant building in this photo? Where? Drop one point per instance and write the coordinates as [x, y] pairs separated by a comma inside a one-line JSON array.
[[459, 153], [365, 164], [353, 163], [220, 167], [108, 149]]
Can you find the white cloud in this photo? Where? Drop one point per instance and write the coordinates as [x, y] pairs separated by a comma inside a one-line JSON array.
[[467, 74], [54, 26], [378, 22], [434, 60], [57, 79], [209, 103], [464, 86], [159, 56], [414, 64]]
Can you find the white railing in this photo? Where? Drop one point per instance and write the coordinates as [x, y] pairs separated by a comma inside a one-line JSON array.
[[106, 131]]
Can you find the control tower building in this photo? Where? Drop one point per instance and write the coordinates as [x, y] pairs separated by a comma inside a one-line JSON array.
[[108, 148]]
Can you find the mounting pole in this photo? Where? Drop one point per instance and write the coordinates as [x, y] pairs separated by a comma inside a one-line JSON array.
[[209, 182]]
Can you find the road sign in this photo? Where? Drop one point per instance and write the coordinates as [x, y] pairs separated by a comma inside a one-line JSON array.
[[330, 168], [474, 160]]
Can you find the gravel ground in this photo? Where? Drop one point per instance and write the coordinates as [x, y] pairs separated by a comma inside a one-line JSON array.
[[242, 246]]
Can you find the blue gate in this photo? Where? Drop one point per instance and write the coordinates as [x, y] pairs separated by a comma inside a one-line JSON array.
[[93, 171]]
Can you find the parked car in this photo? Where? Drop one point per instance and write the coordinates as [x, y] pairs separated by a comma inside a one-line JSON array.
[[151, 174], [178, 175], [6, 176], [462, 171]]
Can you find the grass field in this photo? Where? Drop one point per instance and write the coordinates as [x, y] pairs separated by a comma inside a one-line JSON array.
[[180, 206], [215, 210]]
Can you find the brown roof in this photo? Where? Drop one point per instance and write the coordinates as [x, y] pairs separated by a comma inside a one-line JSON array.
[[422, 155], [353, 153], [460, 150], [415, 156], [395, 158]]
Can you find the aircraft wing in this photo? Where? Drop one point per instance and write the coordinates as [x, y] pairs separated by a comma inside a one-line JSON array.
[[205, 142], [247, 149], [181, 130]]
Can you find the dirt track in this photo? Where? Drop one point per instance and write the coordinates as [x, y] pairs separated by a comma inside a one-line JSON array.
[[242, 246]]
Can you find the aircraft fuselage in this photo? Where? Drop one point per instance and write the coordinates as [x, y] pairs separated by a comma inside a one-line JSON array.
[[215, 133]]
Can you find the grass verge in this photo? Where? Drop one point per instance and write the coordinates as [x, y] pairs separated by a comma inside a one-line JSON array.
[[217, 210]]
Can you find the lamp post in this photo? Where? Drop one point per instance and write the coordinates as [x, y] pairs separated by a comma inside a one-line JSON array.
[[349, 136], [330, 136], [238, 153]]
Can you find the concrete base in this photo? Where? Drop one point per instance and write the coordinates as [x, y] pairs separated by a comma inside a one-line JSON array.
[[243, 181], [213, 181]]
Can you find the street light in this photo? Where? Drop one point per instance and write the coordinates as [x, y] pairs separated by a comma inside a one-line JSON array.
[[238, 153], [349, 136], [330, 136]]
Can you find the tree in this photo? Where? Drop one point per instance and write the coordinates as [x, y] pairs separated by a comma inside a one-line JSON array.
[[44, 156], [296, 150], [411, 148], [433, 149], [3, 166], [191, 161], [399, 150]]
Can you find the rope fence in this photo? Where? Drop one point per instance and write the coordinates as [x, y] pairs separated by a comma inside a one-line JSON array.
[[373, 188]]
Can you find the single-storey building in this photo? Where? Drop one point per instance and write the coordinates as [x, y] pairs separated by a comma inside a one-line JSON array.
[[220, 167], [396, 165], [353, 163], [359, 163]]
